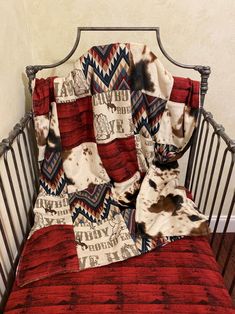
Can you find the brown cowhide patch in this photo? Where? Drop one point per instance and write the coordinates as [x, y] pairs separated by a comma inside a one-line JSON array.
[[141, 230], [203, 229], [178, 132], [87, 151], [166, 166], [170, 203], [53, 141], [129, 199], [140, 78], [152, 184], [69, 180], [41, 139], [65, 154]]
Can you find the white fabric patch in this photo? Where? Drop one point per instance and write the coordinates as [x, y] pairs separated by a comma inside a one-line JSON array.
[[104, 243], [83, 166], [129, 186], [163, 222], [71, 87], [41, 125], [145, 151], [112, 115], [51, 210], [176, 125]]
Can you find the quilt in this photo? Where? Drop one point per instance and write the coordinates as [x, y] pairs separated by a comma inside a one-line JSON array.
[[109, 134]]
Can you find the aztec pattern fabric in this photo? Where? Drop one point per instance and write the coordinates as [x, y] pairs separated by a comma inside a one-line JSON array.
[[109, 135], [181, 278]]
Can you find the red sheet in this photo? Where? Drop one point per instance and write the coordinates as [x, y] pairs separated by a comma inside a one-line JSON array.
[[183, 277]]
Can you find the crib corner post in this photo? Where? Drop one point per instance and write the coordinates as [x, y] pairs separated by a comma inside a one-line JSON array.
[[205, 72], [31, 71]]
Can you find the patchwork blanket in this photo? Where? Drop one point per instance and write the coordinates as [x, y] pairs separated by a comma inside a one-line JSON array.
[[109, 135]]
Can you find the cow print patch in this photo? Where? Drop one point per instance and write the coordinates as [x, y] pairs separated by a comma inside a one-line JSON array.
[[170, 203], [140, 77], [152, 184], [194, 218], [53, 141], [140, 227], [167, 166]]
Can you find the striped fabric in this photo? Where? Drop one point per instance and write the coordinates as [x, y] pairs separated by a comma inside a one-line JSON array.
[[181, 278]]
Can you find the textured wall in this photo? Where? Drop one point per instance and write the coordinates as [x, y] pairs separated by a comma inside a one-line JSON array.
[[15, 53]]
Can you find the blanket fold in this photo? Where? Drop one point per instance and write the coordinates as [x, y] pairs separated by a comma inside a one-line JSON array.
[[109, 135]]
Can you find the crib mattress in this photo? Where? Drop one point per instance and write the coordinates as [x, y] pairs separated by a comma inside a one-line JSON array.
[[182, 277]]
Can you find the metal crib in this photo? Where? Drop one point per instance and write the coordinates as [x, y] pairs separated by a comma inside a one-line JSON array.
[[209, 177]]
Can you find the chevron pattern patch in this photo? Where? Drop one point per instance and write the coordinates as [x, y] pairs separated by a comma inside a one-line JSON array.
[[155, 108], [146, 112], [139, 114], [52, 178], [92, 204], [106, 67], [129, 218], [146, 244]]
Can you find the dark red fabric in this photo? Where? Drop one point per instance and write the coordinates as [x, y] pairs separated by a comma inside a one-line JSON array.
[[185, 91], [183, 277], [43, 95], [76, 122], [50, 250], [119, 158]]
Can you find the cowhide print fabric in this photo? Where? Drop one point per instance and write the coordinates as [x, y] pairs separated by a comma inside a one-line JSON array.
[[109, 134]]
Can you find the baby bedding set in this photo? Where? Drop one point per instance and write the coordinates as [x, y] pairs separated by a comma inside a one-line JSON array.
[[109, 135]]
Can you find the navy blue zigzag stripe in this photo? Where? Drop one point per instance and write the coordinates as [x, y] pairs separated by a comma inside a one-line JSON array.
[[59, 188], [87, 215], [103, 51], [142, 122], [107, 78], [55, 156], [92, 199], [154, 108]]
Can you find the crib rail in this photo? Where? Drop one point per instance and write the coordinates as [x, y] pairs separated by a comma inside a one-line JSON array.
[[214, 186], [18, 191]]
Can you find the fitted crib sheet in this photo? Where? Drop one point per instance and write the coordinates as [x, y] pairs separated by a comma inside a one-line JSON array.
[[182, 277]]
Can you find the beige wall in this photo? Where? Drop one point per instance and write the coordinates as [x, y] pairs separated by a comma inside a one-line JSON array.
[[15, 53]]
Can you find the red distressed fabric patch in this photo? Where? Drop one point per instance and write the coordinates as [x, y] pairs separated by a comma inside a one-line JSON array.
[[76, 122], [185, 91], [43, 95], [181, 278], [119, 158], [49, 251]]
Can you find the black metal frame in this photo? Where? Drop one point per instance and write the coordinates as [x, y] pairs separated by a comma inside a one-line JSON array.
[[23, 136], [20, 169], [212, 177]]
